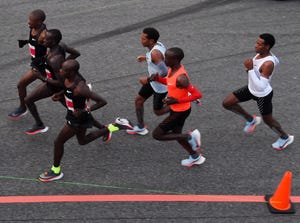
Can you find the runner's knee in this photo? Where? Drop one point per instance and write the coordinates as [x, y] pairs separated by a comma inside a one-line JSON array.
[[82, 142], [156, 134], [28, 101], [139, 101], [227, 104], [158, 112]]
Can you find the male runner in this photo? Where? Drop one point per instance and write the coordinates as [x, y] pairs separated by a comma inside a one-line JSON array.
[[260, 69], [155, 60], [180, 95], [78, 117], [37, 51]]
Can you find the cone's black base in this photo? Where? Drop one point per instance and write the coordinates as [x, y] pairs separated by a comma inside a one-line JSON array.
[[291, 210]]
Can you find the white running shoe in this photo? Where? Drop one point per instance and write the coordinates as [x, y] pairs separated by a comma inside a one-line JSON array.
[[137, 130], [190, 161], [250, 126], [281, 144], [123, 123]]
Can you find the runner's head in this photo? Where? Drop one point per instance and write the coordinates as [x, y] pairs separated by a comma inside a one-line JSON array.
[[173, 56], [69, 68], [36, 18], [149, 36], [264, 43], [52, 38]]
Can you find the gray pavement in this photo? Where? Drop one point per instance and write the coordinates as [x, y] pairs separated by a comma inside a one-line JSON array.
[[216, 36]]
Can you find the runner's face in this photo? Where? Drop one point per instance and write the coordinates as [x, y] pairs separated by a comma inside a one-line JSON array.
[[144, 40], [169, 58], [48, 41], [33, 22], [260, 46], [64, 71]]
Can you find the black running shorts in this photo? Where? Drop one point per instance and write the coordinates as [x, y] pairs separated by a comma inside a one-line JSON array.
[[85, 120], [146, 91], [264, 103], [175, 120]]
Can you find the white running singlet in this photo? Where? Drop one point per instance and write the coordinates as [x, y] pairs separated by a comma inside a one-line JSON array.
[[256, 91], [152, 68]]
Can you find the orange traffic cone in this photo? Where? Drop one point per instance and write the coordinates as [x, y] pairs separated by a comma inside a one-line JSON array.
[[279, 202]]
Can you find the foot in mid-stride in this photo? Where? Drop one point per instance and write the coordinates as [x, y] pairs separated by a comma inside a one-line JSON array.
[[50, 176], [35, 129], [250, 126], [193, 161], [281, 143], [107, 136], [111, 128], [123, 123], [17, 113], [137, 131]]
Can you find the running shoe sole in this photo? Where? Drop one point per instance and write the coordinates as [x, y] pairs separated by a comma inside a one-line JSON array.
[[131, 132], [285, 145], [17, 117], [107, 137], [123, 125], [198, 162], [38, 131], [60, 176], [257, 122]]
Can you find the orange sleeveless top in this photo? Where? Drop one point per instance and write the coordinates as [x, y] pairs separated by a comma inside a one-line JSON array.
[[175, 92]]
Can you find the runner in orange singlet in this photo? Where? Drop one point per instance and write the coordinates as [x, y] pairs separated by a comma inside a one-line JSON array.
[[180, 95]]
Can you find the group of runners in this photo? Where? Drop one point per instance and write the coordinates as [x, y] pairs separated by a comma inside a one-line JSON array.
[[54, 64]]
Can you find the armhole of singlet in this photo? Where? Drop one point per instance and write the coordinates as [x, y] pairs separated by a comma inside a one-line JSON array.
[[76, 83], [40, 31]]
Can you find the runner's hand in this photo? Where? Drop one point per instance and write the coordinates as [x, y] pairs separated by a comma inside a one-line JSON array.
[[143, 80], [154, 77], [170, 101], [22, 43], [141, 58], [56, 96], [248, 64], [37, 74]]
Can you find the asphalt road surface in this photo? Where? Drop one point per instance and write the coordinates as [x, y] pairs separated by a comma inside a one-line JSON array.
[[216, 36]]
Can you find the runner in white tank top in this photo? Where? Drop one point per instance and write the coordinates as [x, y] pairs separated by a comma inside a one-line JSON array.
[[260, 70], [155, 61]]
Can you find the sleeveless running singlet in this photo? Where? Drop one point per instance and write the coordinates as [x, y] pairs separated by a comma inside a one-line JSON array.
[[153, 68], [175, 92], [48, 69], [74, 102], [257, 63], [36, 50], [85, 119]]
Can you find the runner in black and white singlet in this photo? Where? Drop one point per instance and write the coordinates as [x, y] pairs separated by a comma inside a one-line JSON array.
[[52, 82], [37, 52], [155, 61], [79, 118], [73, 103], [260, 70]]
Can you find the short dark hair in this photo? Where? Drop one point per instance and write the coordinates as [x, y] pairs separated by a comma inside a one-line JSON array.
[[151, 33], [40, 14], [268, 39], [56, 34], [178, 53]]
